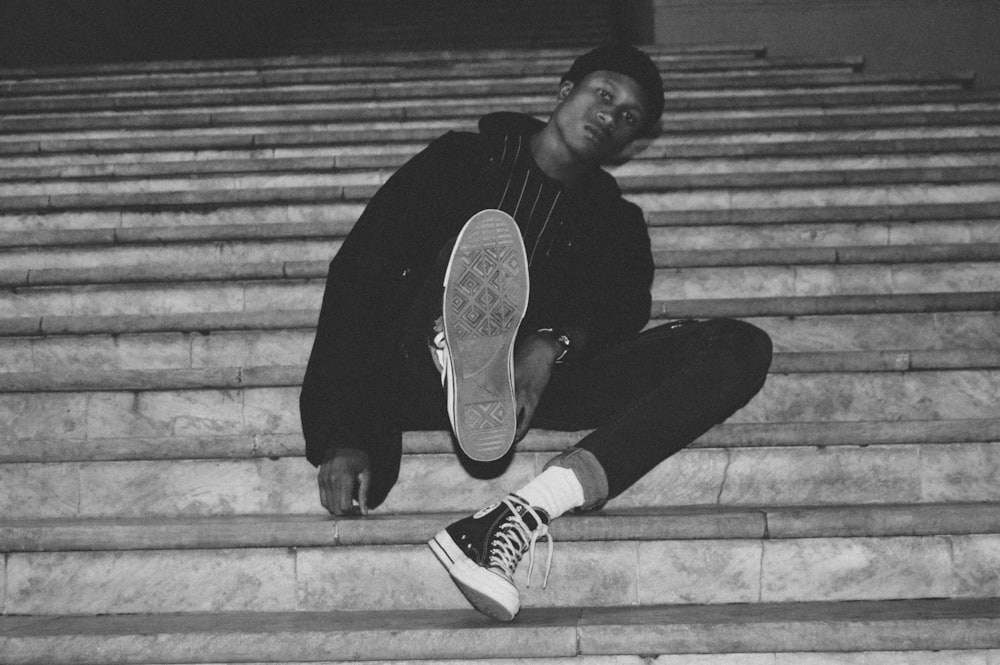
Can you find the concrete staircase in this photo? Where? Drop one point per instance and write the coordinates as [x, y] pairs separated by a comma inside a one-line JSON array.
[[164, 235]]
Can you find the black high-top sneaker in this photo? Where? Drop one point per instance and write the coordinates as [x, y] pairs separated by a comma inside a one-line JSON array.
[[485, 298], [482, 552]]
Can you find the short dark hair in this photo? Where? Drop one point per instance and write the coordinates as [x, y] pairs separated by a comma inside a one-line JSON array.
[[627, 60]]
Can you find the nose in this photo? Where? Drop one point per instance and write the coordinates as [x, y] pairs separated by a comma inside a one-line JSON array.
[[606, 118]]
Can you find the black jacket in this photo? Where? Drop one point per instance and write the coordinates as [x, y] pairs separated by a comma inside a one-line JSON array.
[[593, 282]]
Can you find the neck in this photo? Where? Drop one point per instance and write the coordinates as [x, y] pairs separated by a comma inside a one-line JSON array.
[[554, 159]]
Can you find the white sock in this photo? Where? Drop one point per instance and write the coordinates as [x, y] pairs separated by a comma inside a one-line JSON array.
[[555, 490]]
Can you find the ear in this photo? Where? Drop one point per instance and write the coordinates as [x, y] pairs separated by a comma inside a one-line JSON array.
[[565, 88]]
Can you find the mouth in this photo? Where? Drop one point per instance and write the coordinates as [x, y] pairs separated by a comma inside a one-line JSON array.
[[595, 134]]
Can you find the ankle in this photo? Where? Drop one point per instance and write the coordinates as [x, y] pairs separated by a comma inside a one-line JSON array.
[[556, 490]]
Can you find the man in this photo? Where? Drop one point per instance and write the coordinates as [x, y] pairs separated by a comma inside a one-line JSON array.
[[576, 357]]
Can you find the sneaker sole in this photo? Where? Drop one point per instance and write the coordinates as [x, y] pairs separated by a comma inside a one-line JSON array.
[[485, 298], [486, 591]]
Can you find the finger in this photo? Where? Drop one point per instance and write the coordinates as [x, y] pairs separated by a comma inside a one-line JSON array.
[[364, 478], [324, 491], [344, 495], [326, 485], [523, 421]]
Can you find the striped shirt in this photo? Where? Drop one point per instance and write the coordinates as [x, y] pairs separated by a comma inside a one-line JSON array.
[[530, 196]]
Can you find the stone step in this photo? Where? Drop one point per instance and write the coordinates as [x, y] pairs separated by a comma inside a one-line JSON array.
[[364, 144], [353, 186], [54, 448], [662, 174], [243, 424], [679, 87], [802, 474], [710, 68], [608, 560], [690, 74], [899, 333], [459, 57], [279, 319], [706, 157], [263, 260], [794, 198], [84, 248], [695, 286], [966, 221], [254, 190], [254, 77], [920, 631], [766, 523], [764, 109], [71, 378], [800, 214]]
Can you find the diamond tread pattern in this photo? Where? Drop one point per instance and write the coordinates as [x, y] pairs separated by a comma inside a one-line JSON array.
[[486, 294]]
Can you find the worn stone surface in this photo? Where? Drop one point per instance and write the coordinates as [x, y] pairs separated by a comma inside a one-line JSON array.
[[844, 397], [801, 476], [439, 483], [885, 658], [857, 569], [977, 565], [16, 355], [690, 477], [776, 476], [198, 487], [283, 347], [39, 490], [932, 395], [152, 299], [768, 236], [251, 348], [717, 659], [369, 578], [960, 472], [173, 255], [926, 625], [882, 520], [583, 574], [272, 410], [965, 330], [800, 281], [153, 351], [699, 571], [971, 231], [35, 302], [139, 582], [286, 636], [292, 295], [164, 413]]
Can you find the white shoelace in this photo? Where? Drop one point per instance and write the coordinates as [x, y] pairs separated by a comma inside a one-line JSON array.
[[440, 350], [514, 537]]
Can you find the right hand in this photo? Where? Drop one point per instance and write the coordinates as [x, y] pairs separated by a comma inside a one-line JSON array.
[[338, 477]]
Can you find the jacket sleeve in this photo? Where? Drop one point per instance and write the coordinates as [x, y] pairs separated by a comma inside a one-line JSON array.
[[347, 381], [613, 300]]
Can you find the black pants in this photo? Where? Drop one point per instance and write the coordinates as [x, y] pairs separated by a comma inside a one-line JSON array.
[[646, 398]]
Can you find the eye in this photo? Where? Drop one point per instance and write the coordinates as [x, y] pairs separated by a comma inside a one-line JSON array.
[[631, 120], [604, 93]]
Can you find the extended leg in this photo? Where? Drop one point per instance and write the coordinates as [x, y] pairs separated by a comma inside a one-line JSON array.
[[652, 396]]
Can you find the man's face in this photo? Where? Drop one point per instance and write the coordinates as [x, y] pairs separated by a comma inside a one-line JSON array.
[[600, 115]]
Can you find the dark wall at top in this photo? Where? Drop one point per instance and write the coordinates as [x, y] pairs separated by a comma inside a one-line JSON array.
[[40, 32], [893, 35], [48, 32]]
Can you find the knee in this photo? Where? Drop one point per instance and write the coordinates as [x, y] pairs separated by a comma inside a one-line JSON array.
[[750, 348]]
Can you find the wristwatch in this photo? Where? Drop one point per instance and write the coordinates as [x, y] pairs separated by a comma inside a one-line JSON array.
[[563, 340]]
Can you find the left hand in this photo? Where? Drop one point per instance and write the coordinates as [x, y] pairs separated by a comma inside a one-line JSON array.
[[533, 362]]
